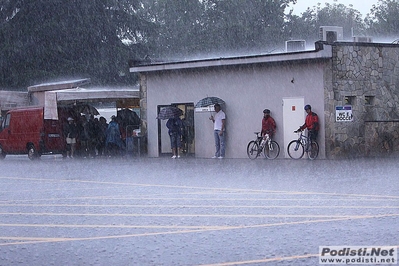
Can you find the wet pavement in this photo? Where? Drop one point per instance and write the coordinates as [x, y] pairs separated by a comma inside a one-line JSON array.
[[160, 211]]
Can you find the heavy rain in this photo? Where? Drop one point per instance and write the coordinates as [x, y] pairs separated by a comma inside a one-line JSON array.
[[69, 196]]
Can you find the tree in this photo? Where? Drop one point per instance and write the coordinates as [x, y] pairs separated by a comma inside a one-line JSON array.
[[43, 40], [248, 25], [308, 24], [179, 27], [383, 19], [189, 28], [304, 27]]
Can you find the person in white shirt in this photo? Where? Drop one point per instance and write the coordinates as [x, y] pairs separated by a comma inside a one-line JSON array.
[[219, 126]]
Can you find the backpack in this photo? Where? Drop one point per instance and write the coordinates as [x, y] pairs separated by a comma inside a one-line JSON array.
[[315, 120], [174, 125]]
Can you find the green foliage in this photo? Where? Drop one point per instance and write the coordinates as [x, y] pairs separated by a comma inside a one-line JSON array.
[[307, 25], [45, 40], [187, 29], [383, 19]]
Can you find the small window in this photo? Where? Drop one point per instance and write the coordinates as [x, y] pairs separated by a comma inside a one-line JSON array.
[[349, 100], [6, 121], [368, 100]]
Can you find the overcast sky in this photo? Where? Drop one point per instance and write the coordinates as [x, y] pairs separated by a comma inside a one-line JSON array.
[[363, 6]]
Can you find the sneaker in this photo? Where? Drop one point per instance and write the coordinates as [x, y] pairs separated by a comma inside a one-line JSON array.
[[178, 156], [174, 157], [214, 157], [220, 157]]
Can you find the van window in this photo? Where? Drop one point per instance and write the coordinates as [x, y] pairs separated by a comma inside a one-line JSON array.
[[6, 121]]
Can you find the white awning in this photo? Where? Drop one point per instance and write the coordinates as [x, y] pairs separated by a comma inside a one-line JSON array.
[[53, 98], [61, 85], [94, 94]]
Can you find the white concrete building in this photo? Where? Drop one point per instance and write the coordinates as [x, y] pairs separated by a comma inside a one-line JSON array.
[[283, 83], [352, 86]]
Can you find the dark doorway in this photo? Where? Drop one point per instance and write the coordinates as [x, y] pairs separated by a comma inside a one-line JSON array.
[[188, 138]]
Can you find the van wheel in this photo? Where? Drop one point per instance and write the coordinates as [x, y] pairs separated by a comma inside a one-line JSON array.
[[32, 153], [2, 154]]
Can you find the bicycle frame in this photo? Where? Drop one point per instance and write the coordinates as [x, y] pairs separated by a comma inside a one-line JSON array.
[[305, 140], [262, 141], [297, 147], [258, 146]]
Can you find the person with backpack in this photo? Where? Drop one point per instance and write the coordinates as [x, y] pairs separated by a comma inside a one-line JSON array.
[[113, 141], [311, 123], [175, 126]]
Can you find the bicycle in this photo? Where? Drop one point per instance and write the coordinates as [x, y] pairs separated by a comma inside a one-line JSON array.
[[297, 147], [268, 147]]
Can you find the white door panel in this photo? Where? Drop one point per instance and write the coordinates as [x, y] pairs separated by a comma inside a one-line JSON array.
[[293, 117]]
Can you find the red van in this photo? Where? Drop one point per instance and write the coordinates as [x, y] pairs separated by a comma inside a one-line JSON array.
[[25, 131]]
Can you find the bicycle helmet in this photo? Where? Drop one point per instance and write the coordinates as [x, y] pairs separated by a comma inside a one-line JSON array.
[[308, 107], [266, 111]]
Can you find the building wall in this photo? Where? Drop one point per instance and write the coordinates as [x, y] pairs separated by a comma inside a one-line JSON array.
[[368, 76], [246, 89], [12, 99], [36, 98]]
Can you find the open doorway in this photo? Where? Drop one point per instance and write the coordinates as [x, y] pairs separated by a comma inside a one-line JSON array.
[[188, 138]]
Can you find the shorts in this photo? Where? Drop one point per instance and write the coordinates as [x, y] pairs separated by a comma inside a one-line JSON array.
[[70, 140], [175, 140]]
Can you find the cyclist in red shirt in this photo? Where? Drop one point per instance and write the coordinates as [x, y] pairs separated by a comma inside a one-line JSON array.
[[311, 123], [268, 124]]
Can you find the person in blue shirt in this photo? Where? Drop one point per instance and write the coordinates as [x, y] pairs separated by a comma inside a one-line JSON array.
[[113, 141]]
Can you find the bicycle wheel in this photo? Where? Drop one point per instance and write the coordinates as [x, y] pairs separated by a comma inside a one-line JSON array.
[[252, 150], [272, 151], [314, 150], [295, 149]]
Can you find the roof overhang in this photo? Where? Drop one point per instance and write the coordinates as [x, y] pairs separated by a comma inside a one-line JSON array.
[[53, 98], [61, 85], [96, 94], [324, 52]]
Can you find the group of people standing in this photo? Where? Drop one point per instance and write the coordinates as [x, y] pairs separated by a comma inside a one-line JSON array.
[[175, 130], [175, 126], [311, 124], [268, 127], [95, 137]]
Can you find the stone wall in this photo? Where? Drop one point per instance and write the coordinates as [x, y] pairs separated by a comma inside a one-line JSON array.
[[365, 76], [143, 111], [382, 138]]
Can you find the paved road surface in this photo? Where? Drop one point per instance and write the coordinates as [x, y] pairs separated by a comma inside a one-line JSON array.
[[159, 211]]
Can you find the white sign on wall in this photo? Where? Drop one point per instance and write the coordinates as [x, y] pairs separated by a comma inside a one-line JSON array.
[[209, 108], [343, 113]]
